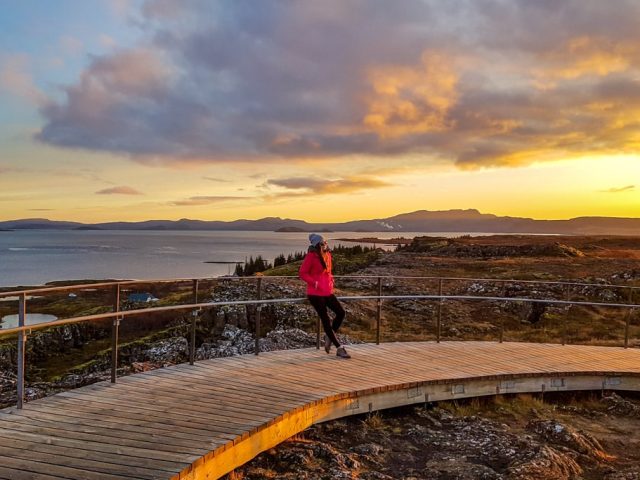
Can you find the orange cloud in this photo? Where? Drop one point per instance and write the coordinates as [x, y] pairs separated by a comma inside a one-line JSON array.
[[306, 186], [205, 200], [408, 100], [585, 55]]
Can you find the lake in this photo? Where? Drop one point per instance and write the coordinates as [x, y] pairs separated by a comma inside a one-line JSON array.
[[34, 257], [10, 321]]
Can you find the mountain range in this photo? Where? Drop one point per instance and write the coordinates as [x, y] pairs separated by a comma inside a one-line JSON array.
[[470, 221]]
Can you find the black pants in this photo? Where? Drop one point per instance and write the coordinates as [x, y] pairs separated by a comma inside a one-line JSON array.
[[331, 302]]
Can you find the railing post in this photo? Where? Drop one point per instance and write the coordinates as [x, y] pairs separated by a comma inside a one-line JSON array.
[[258, 314], [628, 320], [22, 344], [194, 316], [439, 322], [379, 312], [504, 295], [115, 327], [566, 316]]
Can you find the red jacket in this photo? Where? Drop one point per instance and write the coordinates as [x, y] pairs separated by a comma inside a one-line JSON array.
[[319, 280]]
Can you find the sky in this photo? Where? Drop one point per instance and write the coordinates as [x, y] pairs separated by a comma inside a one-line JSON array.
[[322, 111]]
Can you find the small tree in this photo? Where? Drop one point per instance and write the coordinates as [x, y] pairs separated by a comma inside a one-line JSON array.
[[279, 260]]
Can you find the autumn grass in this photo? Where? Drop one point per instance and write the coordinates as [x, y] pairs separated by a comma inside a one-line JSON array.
[[374, 421]]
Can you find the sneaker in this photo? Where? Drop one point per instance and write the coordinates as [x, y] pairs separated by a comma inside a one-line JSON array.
[[342, 353], [327, 344]]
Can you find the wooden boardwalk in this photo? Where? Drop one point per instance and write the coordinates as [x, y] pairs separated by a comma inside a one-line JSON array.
[[202, 421]]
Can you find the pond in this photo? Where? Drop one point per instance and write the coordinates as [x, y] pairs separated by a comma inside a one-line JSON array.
[[10, 321]]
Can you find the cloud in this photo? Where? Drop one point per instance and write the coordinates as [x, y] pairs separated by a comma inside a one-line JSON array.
[[219, 180], [408, 100], [306, 186], [628, 188], [17, 80], [206, 200], [486, 83], [104, 101], [41, 209], [121, 190]]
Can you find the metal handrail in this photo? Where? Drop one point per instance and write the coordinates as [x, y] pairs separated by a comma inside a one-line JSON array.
[[62, 288], [196, 306], [23, 330]]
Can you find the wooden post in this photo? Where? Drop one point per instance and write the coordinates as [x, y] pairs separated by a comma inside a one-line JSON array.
[[258, 314], [439, 321], [503, 295], [22, 343], [628, 320], [115, 327], [194, 317], [379, 312], [566, 316]]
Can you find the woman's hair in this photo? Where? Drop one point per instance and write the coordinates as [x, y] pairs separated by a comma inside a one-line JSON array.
[[318, 250]]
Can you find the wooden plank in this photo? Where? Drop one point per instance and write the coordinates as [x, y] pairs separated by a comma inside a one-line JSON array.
[[54, 429], [196, 401], [249, 382], [77, 416], [14, 474], [88, 427], [34, 444], [112, 410], [95, 446], [59, 471], [60, 457], [174, 410]]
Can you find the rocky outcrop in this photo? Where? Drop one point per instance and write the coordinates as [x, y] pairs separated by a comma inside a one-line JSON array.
[[43, 344], [617, 405], [557, 433], [456, 248], [546, 463], [439, 444]]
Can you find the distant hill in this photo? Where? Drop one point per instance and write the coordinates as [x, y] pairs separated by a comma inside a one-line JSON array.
[[471, 221], [39, 224]]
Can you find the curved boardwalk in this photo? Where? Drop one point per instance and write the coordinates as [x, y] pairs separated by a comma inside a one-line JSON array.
[[201, 421]]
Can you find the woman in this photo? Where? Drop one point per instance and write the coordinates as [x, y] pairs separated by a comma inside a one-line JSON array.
[[316, 272]]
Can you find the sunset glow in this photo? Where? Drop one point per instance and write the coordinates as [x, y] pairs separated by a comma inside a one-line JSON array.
[[322, 111]]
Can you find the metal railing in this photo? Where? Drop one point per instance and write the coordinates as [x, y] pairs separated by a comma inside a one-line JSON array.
[[117, 315]]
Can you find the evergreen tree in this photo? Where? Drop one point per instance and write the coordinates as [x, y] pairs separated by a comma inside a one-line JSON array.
[[279, 260]]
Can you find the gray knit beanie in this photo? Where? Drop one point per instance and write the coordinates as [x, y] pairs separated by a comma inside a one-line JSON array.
[[315, 239]]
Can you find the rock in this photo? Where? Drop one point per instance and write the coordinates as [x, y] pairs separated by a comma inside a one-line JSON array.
[[236, 341], [371, 449], [138, 367], [458, 469], [375, 476], [546, 464], [167, 352], [233, 341], [628, 475], [620, 406], [563, 435]]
